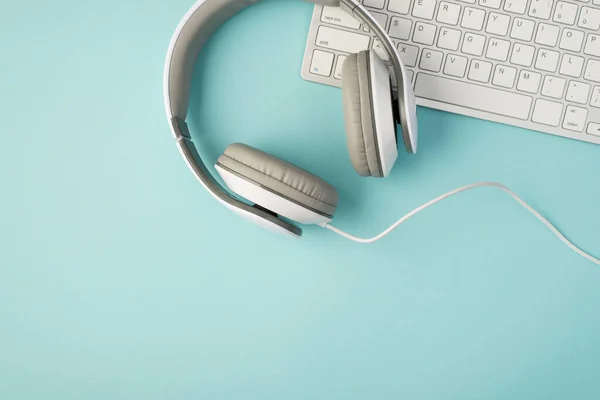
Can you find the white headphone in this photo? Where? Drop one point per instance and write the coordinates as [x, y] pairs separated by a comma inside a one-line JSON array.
[[280, 196]]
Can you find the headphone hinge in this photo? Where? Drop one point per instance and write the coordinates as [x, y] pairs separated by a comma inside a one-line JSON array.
[[181, 129]]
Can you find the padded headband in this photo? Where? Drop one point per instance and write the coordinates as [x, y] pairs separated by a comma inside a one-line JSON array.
[[195, 29]]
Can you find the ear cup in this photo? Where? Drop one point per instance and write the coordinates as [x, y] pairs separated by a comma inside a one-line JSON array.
[[369, 119], [268, 175]]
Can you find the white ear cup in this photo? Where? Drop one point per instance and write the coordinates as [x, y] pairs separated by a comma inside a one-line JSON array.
[[369, 117], [276, 185]]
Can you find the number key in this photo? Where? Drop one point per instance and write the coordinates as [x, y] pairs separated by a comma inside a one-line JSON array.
[[516, 6], [490, 3], [589, 18], [565, 13], [541, 8]]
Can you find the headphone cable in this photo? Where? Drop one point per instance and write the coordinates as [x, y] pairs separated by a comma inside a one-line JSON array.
[[417, 210]]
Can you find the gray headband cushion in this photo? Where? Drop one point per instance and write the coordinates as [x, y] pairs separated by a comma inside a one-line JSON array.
[[280, 177], [207, 17], [358, 113]]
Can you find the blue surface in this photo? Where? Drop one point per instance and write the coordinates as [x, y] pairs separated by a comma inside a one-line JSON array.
[[120, 278]]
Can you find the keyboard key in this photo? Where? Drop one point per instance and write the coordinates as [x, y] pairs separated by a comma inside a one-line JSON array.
[[565, 13], [399, 6], [335, 15], [408, 54], [490, 3], [341, 40], [529, 81], [480, 71], [380, 18], [575, 118], [455, 65], [400, 28], [473, 44], [322, 62], [571, 40], [547, 34], [374, 3], [497, 24], [522, 55], [578, 92], [449, 39], [498, 49], [337, 74], [595, 102], [431, 60], [593, 129], [541, 9], [424, 33], [547, 112], [504, 76], [468, 1], [590, 18], [515, 6], [547, 60], [522, 29], [592, 46], [473, 18], [553, 87], [424, 9], [448, 13], [592, 71], [480, 98], [571, 65]]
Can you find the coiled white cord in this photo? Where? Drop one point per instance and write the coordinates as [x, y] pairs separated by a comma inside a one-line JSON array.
[[417, 210]]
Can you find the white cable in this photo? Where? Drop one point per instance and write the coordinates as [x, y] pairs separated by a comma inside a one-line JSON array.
[[417, 210]]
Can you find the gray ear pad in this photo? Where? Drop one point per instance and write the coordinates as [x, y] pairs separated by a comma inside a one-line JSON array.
[[280, 177], [361, 134]]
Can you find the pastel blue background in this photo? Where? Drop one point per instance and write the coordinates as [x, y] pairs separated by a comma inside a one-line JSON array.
[[120, 278]]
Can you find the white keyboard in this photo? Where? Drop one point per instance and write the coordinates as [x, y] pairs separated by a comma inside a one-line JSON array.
[[534, 64]]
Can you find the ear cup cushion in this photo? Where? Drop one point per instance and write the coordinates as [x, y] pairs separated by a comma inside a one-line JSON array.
[[361, 135], [280, 177]]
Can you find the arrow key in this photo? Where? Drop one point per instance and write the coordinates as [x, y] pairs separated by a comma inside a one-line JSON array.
[[594, 129]]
